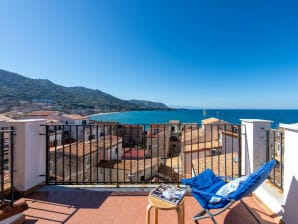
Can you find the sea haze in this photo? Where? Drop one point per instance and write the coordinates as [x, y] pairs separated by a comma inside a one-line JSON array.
[[196, 116]]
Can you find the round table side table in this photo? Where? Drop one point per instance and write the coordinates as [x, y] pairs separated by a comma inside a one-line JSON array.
[[157, 204]]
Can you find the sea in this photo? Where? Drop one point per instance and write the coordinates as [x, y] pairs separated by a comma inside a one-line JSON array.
[[197, 115]]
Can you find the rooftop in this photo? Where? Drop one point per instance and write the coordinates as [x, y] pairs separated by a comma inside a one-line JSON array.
[[174, 122], [84, 148], [4, 118], [213, 120], [134, 165], [133, 153], [75, 116], [203, 146]]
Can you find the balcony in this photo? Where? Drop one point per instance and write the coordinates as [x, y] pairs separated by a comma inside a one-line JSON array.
[[56, 204], [103, 173]]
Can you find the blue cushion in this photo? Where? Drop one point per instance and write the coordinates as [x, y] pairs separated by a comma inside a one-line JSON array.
[[227, 189], [253, 181]]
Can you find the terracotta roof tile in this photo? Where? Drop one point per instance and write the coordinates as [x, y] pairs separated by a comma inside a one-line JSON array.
[[133, 153], [202, 146], [4, 118], [212, 120], [137, 165], [84, 148], [74, 116]]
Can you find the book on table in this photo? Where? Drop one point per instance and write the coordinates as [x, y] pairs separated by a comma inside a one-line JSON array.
[[168, 193]]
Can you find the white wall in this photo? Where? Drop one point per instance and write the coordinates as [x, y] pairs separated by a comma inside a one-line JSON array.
[[110, 153], [229, 144], [290, 173], [75, 131], [211, 132], [114, 155], [57, 137], [253, 144], [254, 153], [29, 160], [159, 144]]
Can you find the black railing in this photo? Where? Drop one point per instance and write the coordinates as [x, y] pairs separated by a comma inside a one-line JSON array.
[[275, 150], [6, 166], [216, 147], [115, 153]]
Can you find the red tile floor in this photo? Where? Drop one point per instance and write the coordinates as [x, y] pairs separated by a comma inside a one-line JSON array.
[[79, 206]]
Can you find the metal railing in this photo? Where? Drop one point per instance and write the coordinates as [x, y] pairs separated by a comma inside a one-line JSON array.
[[6, 166], [112, 153], [275, 150]]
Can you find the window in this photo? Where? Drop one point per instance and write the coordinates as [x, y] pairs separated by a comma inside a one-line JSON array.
[[116, 150], [130, 176], [149, 146], [84, 122], [91, 137]]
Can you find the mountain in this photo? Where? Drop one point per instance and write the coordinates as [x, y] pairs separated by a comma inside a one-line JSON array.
[[146, 103], [19, 91]]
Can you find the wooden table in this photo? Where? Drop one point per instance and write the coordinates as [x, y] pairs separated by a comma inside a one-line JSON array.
[[163, 205]]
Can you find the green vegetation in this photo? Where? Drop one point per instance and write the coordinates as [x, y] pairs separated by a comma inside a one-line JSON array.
[[21, 90]]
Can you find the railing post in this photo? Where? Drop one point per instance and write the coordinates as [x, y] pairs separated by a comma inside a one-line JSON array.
[[12, 166], [267, 145], [47, 153], [281, 160], [2, 165], [239, 151]]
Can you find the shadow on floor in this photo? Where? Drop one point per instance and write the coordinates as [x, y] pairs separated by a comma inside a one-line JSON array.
[[78, 198], [59, 204], [241, 215]]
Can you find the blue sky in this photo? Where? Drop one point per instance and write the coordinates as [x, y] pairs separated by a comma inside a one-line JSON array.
[[210, 54]]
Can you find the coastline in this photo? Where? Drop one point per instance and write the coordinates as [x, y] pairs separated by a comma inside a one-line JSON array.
[[197, 115], [104, 113]]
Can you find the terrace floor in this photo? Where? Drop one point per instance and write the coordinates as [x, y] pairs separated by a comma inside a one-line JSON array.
[[58, 204]]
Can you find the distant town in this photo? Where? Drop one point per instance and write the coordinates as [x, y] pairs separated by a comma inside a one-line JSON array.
[[18, 108]]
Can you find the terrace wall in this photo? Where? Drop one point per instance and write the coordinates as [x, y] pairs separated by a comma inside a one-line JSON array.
[[30, 151]]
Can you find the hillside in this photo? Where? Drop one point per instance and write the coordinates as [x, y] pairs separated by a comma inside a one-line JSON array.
[[145, 103], [20, 91]]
